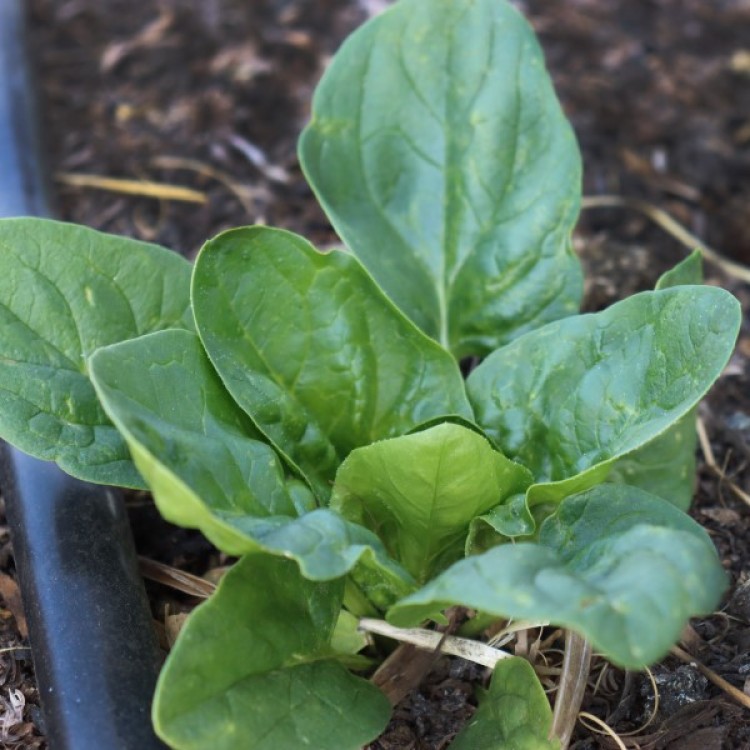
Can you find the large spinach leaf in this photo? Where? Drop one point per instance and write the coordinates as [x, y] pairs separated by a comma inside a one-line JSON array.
[[253, 668], [666, 466], [442, 157], [313, 351], [621, 566], [65, 291], [208, 469], [569, 399]]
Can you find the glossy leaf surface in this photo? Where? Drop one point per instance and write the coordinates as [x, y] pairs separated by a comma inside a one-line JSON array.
[[622, 567], [203, 460], [253, 669], [419, 492], [313, 351], [440, 153], [569, 399], [514, 714], [666, 466], [66, 290], [166, 399]]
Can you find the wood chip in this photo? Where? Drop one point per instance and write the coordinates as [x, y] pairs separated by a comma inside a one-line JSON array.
[[175, 578], [173, 624], [12, 597]]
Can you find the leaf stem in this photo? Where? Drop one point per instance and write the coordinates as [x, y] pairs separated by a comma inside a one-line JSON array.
[[481, 621], [444, 337], [429, 640], [356, 602]]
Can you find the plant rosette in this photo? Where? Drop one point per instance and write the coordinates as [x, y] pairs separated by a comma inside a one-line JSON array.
[[307, 412]]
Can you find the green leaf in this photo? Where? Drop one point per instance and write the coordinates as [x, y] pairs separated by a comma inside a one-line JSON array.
[[623, 567], [65, 291], [688, 271], [666, 466], [510, 519], [313, 351], [419, 492], [569, 399], [199, 452], [347, 639], [440, 153], [253, 669], [326, 546], [201, 457], [514, 715]]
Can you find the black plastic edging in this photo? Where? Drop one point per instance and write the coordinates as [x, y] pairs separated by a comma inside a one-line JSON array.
[[93, 645]]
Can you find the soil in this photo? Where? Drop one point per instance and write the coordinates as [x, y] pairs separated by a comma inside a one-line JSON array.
[[211, 96]]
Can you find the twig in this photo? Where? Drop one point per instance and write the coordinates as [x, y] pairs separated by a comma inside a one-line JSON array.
[[717, 680], [429, 640], [705, 443], [572, 686], [258, 159], [508, 632], [585, 716], [243, 193], [671, 226], [151, 34], [711, 463], [175, 578], [144, 188]]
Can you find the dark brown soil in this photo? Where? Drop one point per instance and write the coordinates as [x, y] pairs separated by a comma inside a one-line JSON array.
[[211, 95]]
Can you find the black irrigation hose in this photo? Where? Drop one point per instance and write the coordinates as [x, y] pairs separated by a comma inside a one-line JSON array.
[[92, 640]]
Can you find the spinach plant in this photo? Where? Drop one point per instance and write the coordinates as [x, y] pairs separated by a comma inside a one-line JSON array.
[[307, 412]]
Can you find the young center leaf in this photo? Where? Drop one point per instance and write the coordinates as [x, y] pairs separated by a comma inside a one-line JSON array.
[[571, 398], [313, 351], [419, 492], [512, 518], [514, 714], [66, 290], [253, 668], [209, 469], [623, 567], [441, 155]]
